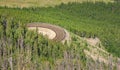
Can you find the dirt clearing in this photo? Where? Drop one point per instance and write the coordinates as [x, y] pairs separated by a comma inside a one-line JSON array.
[[52, 31]]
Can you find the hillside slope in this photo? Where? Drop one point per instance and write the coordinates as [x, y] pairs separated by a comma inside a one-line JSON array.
[[22, 49], [85, 20]]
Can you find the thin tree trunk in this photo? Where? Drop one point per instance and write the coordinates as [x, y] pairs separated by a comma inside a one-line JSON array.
[[10, 62], [110, 63]]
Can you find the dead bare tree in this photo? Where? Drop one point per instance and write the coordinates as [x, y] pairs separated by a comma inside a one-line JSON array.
[[10, 62], [118, 64], [110, 63]]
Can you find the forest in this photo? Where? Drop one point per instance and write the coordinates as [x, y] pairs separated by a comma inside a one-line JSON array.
[[21, 49], [87, 20]]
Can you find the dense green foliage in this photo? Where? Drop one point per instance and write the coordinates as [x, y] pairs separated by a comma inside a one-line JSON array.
[[86, 19]]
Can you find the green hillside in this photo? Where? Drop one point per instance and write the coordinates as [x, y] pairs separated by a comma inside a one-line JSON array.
[[82, 20], [86, 19]]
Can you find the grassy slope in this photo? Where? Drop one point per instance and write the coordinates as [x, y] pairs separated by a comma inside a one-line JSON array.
[[29, 3]]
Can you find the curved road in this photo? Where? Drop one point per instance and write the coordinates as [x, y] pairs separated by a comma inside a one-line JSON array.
[[60, 32]]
